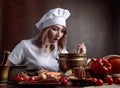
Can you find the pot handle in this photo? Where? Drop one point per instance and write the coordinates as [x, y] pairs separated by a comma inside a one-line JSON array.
[[5, 56]]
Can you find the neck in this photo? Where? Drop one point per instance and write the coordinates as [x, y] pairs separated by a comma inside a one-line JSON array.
[[48, 48]]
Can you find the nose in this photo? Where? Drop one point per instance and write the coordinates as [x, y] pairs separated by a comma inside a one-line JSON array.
[[59, 34]]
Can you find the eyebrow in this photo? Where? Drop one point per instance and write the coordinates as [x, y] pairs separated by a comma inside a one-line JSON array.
[[55, 26], [58, 27]]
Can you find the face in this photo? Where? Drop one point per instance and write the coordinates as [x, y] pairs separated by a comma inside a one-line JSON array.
[[55, 33]]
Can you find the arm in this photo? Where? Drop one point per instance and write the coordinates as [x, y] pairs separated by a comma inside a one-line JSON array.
[[17, 55]]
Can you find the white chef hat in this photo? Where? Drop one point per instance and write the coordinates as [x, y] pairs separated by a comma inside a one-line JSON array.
[[52, 17]]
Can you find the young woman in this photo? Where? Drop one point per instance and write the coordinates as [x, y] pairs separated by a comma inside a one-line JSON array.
[[42, 51]]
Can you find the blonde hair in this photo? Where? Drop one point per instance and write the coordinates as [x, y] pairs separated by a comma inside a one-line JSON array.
[[41, 39]]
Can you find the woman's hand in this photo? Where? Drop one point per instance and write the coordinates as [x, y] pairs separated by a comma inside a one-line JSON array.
[[81, 49]]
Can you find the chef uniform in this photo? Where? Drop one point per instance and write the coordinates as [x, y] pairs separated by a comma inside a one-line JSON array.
[[27, 53]]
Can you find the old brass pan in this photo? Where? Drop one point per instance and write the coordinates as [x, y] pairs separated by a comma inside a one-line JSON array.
[[71, 60]]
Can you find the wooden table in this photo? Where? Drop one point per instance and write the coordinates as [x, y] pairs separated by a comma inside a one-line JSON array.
[[5, 85]]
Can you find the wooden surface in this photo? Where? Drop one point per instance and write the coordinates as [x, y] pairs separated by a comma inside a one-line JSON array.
[[16, 86]]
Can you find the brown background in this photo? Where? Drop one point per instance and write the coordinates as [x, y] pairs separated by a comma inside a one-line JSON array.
[[94, 22]]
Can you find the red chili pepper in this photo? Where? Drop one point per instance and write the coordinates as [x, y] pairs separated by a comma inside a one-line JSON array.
[[100, 68]]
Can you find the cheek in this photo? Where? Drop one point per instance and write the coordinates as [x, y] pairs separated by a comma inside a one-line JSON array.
[[62, 35], [51, 34]]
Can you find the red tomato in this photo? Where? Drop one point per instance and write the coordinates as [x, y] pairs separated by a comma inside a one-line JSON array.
[[94, 80], [16, 78], [115, 62], [32, 79], [117, 80], [19, 79], [22, 79], [108, 80], [100, 82], [64, 81]]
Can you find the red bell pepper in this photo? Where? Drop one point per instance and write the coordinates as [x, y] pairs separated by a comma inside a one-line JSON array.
[[100, 68]]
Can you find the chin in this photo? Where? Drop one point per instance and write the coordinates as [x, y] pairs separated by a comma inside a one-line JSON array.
[[54, 42]]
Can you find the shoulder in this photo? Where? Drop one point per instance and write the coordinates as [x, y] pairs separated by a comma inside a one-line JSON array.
[[27, 42], [24, 44]]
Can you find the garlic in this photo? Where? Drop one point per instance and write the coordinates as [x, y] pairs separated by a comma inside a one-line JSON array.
[[68, 73]]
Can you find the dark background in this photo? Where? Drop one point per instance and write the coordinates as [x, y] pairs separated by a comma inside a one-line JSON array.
[[94, 22]]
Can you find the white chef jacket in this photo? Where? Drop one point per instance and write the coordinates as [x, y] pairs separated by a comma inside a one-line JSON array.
[[27, 53]]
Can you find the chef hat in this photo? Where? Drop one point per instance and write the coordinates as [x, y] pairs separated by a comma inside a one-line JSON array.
[[52, 17]]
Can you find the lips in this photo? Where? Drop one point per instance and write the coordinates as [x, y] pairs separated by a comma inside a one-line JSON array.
[[56, 39], [53, 40]]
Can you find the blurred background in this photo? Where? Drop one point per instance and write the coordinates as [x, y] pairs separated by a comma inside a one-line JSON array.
[[94, 22]]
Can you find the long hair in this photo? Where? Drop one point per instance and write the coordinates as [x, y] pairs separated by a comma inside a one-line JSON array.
[[41, 39]]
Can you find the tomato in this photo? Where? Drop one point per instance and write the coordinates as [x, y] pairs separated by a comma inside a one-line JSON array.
[[32, 79], [16, 78], [99, 82], [64, 81], [108, 80], [117, 80], [22, 79], [94, 80], [115, 62], [19, 78]]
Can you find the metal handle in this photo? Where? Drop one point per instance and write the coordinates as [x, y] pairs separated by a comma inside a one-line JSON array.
[[5, 56]]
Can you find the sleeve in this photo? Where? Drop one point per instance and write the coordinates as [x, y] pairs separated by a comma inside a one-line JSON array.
[[18, 53]]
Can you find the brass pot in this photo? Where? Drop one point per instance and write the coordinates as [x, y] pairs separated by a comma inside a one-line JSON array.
[[71, 60]]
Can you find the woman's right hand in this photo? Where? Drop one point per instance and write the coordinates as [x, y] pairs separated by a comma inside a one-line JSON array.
[[81, 49]]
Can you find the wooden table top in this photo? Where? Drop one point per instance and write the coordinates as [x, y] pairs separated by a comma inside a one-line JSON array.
[[5, 85]]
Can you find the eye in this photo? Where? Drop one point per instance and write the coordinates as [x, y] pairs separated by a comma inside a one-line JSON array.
[[55, 28], [63, 31]]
